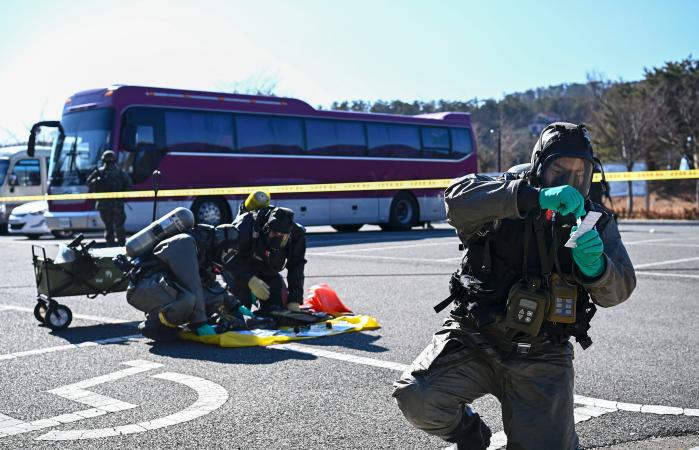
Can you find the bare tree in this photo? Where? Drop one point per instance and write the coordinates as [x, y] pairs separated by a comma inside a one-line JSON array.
[[623, 117], [259, 83]]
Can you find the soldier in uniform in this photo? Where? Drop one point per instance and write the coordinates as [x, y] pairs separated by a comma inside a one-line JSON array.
[[519, 296], [110, 178], [175, 283], [269, 241]]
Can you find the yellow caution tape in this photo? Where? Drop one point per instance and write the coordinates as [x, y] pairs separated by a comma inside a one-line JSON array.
[[648, 175], [329, 187], [286, 189]]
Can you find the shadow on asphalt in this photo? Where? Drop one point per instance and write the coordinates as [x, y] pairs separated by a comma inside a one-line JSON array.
[[246, 355], [358, 341], [76, 335], [337, 239]]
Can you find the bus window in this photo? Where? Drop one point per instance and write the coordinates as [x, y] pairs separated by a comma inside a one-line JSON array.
[[269, 135], [393, 141], [435, 142], [461, 144], [27, 172], [197, 131], [336, 138], [143, 137]]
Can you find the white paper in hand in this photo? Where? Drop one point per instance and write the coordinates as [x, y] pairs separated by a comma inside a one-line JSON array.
[[587, 224]]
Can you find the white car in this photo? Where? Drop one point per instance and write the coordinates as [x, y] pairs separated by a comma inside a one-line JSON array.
[[28, 220]]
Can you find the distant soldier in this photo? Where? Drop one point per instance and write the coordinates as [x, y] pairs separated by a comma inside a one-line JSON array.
[[110, 178]]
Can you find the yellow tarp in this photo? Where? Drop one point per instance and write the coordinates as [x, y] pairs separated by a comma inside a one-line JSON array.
[[257, 337]]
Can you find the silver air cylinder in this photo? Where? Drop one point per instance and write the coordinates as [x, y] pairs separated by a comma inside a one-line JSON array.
[[176, 221]]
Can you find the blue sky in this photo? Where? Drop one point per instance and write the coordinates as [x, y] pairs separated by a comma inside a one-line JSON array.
[[322, 51]]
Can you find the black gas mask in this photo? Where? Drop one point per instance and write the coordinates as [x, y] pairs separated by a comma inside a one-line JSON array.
[[561, 170], [277, 229], [225, 242], [563, 155]]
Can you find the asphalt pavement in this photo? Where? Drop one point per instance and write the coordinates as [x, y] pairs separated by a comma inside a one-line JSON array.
[[97, 385]]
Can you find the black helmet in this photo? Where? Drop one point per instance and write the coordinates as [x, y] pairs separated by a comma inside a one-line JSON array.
[[563, 155], [108, 156]]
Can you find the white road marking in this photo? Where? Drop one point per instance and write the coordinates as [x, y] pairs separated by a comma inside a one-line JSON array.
[[100, 404], [649, 241], [393, 247], [663, 263], [389, 258], [75, 316], [667, 274], [592, 407], [210, 397], [60, 348], [341, 356]]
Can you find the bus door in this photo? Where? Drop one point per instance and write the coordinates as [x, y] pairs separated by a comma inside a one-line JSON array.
[[25, 176]]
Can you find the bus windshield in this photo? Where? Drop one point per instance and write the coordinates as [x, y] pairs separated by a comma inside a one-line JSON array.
[[87, 135], [4, 164]]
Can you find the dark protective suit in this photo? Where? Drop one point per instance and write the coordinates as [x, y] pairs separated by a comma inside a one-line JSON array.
[[180, 280], [473, 354], [254, 258], [109, 178]]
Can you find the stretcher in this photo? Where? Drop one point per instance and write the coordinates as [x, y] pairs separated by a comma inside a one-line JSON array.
[[281, 335], [77, 269]]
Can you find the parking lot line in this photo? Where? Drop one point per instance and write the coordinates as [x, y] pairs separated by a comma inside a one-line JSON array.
[[75, 316], [667, 274], [662, 263], [60, 348], [392, 247], [387, 258]]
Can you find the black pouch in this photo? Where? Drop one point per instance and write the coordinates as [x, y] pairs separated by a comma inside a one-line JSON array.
[[527, 306]]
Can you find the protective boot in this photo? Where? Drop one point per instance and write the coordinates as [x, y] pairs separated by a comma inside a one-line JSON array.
[[153, 329], [474, 434]]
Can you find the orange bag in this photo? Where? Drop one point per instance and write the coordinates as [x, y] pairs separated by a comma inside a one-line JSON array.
[[322, 298]]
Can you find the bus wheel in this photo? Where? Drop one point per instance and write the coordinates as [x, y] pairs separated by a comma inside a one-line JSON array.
[[211, 211], [404, 213], [351, 228]]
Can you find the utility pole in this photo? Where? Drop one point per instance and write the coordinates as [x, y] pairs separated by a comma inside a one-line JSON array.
[[499, 161]]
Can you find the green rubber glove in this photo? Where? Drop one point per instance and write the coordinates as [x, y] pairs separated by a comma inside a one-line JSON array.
[[206, 330], [245, 311], [588, 253], [562, 199]]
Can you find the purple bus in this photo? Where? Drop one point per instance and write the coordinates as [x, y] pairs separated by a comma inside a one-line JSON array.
[[207, 139]]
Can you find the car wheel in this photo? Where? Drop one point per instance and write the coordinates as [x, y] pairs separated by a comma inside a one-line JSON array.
[[62, 234]]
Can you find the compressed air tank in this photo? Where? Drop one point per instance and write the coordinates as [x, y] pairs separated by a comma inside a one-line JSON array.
[[176, 221]]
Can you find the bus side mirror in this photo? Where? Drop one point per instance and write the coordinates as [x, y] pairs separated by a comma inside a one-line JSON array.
[[36, 128]]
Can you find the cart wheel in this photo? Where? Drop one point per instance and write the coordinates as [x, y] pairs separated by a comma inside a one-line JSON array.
[[58, 317], [40, 311]]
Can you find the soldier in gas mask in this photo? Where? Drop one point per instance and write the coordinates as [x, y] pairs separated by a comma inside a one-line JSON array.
[[269, 241], [175, 283], [110, 178], [519, 296]]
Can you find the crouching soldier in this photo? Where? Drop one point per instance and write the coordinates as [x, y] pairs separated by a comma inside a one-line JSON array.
[[174, 276], [269, 241]]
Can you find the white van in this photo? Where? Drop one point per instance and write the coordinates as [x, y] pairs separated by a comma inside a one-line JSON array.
[[21, 174]]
